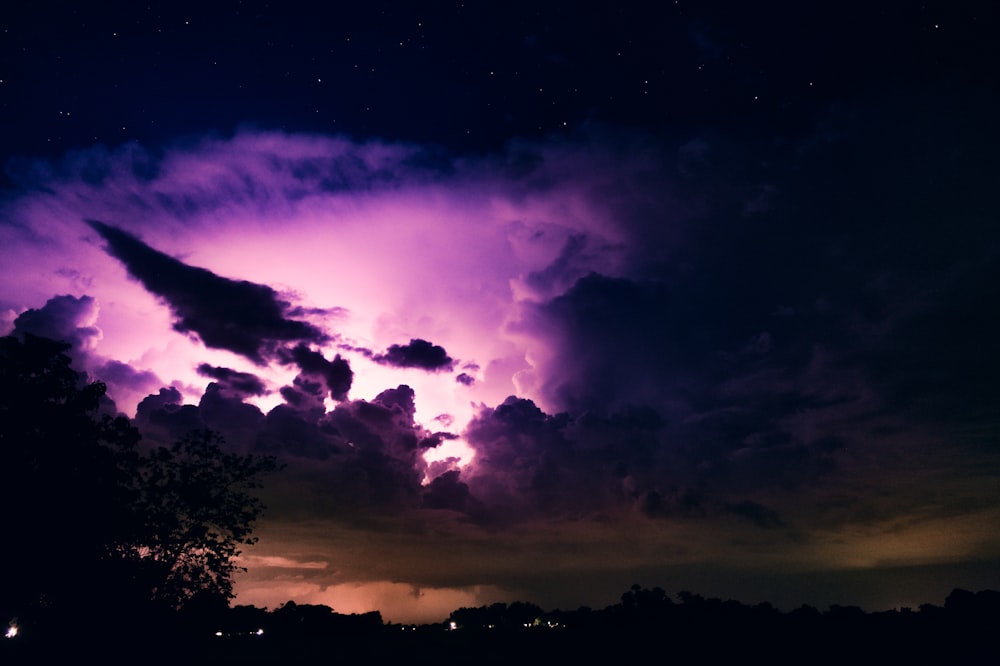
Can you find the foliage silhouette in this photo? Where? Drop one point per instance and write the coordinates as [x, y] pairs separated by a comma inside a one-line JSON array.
[[96, 521], [63, 482], [193, 509]]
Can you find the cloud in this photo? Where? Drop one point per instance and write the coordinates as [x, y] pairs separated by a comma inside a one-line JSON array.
[[607, 341], [360, 455], [73, 320], [242, 383], [530, 464], [336, 374], [385, 443], [122, 378], [65, 318], [237, 315], [708, 346], [223, 411], [448, 491], [759, 514], [164, 416], [416, 353]]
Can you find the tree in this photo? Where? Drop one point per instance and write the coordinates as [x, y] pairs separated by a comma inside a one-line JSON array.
[[62, 477], [89, 513], [193, 511]]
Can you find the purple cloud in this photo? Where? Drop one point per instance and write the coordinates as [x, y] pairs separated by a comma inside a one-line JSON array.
[[243, 317], [241, 383], [66, 318], [416, 353], [336, 374]]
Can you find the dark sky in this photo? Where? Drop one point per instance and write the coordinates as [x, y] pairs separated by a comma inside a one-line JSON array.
[[537, 302], [469, 76]]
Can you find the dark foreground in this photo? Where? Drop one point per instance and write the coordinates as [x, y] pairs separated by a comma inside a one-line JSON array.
[[645, 627], [423, 646]]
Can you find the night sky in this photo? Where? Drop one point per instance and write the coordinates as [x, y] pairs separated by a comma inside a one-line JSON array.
[[535, 302]]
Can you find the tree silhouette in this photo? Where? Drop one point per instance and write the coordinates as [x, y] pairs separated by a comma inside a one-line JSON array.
[[193, 510], [63, 477], [93, 521]]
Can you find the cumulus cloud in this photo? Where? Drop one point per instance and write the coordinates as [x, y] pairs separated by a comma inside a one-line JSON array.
[[72, 320], [163, 416], [416, 353], [65, 318], [608, 341], [225, 411], [123, 378], [529, 463], [336, 374], [242, 383]]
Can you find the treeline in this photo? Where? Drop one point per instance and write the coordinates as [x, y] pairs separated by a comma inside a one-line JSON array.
[[649, 622], [644, 622], [642, 608]]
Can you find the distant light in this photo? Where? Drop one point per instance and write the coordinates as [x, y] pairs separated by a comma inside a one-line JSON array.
[[260, 632], [11, 630], [453, 626]]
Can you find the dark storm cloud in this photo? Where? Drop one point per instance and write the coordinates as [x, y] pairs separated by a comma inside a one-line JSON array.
[[70, 319], [164, 416], [243, 317], [759, 514], [290, 431], [807, 306], [366, 453], [63, 318], [613, 340], [360, 454], [244, 383], [380, 429], [416, 354], [447, 491], [305, 394], [223, 411], [529, 463], [336, 374], [571, 262], [946, 343], [116, 373]]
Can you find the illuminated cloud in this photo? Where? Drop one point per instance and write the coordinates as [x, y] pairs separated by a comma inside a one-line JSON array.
[[623, 358], [64, 318]]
